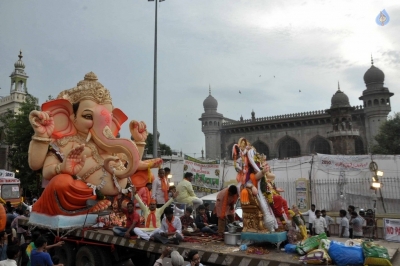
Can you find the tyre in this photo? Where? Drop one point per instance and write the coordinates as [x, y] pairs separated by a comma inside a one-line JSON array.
[[88, 256], [66, 253]]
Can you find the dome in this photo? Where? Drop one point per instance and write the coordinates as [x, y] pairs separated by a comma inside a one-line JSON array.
[[19, 63], [374, 75], [210, 103], [340, 99]]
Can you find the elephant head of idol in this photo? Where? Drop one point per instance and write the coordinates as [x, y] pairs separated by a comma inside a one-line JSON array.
[[87, 111]]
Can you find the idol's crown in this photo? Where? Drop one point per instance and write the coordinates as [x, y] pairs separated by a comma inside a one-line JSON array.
[[87, 89]]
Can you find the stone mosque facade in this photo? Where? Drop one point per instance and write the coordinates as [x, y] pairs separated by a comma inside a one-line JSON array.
[[341, 129]]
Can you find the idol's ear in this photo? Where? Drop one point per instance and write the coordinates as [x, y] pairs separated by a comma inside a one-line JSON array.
[[60, 110], [118, 119]]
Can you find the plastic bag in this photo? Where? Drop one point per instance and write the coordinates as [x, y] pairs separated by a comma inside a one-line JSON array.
[[318, 256], [290, 248], [353, 242], [309, 244], [324, 244], [375, 254], [343, 255]]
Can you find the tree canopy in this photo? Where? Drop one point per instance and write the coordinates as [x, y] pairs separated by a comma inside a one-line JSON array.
[[165, 149], [17, 132], [388, 138]]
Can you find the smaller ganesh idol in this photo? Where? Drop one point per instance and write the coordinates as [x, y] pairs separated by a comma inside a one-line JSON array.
[[298, 220]]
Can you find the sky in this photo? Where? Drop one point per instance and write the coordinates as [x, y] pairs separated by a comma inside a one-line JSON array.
[[268, 50]]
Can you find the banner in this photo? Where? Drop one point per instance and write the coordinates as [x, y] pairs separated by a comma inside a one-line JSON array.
[[6, 174], [392, 230], [343, 162], [206, 175]]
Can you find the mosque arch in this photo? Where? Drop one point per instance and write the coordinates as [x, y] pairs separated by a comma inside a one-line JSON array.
[[319, 144], [261, 147], [383, 102], [369, 103], [376, 102], [288, 147], [359, 146], [215, 123]]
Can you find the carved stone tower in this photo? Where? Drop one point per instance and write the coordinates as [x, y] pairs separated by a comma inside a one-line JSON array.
[[211, 123], [18, 76], [342, 135], [376, 100]]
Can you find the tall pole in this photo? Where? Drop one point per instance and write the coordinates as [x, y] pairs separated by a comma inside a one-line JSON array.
[[155, 133]]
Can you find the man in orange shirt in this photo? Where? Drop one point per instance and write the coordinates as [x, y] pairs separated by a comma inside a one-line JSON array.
[[224, 207]]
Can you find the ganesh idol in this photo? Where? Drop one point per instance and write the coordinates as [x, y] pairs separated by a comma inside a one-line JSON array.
[[76, 147]]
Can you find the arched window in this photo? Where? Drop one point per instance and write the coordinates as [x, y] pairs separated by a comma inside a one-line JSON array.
[[215, 123], [369, 103], [383, 102], [359, 146], [205, 123], [320, 145], [376, 102], [387, 102], [261, 147], [288, 147]]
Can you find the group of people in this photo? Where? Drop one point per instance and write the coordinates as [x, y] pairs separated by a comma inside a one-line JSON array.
[[159, 223], [351, 224], [18, 246]]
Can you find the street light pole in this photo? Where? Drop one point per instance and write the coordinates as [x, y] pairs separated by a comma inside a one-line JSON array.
[[155, 140]]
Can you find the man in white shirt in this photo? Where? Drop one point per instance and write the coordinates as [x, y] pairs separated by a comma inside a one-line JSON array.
[[319, 224], [357, 223], [311, 217], [160, 187], [12, 255], [171, 229], [344, 225], [328, 220]]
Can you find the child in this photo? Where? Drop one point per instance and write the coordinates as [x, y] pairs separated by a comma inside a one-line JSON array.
[[39, 256], [319, 223]]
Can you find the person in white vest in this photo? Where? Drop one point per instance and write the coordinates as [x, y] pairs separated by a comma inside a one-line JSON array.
[[311, 217]]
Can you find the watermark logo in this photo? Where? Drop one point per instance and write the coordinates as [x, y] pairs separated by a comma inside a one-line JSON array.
[[383, 18]]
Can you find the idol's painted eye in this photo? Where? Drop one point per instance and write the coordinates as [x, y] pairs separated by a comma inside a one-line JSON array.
[[88, 116]]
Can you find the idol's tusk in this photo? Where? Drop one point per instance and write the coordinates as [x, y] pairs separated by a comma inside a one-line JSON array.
[[89, 136]]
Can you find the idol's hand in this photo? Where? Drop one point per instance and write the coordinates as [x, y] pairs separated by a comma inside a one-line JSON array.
[[42, 123], [74, 161], [138, 130]]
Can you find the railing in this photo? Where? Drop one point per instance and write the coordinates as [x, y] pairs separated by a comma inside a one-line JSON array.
[[277, 117]]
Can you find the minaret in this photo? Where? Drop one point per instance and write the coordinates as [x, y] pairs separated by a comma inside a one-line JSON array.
[[19, 77], [342, 134], [376, 99], [211, 122]]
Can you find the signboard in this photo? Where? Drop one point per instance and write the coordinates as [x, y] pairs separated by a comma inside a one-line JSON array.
[[392, 229], [343, 162], [206, 175], [302, 194], [6, 174]]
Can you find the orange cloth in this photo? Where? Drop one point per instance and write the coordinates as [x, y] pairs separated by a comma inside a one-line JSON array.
[[171, 228], [64, 196], [141, 177], [151, 217], [145, 194], [165, 187], [223, 201]]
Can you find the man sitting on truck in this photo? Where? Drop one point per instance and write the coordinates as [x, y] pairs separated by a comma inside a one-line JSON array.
[[132, 220], [171, 229], [151, 215]]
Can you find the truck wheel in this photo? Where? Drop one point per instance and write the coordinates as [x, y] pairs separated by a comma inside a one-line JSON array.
[[88, 256], [66, 253]]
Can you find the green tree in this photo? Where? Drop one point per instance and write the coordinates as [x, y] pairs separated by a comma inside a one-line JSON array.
[[17, 132], [165, 149], [388, 138]]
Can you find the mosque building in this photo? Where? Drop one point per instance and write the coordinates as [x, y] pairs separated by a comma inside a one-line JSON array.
[[341, 129], [12, 101]]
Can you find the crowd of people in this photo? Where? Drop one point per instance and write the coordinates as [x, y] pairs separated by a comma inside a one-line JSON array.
[[18, 245]]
